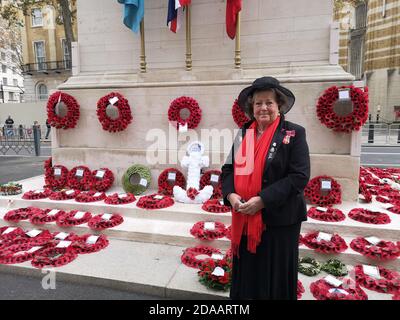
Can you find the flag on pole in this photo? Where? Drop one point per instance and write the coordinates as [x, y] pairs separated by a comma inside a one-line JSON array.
[[133, 13], [232, 9], [175, 13]]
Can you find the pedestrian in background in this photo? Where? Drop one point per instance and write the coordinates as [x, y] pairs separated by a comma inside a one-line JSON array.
[[48, 129]]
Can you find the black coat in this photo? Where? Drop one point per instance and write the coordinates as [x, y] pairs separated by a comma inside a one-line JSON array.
[[286, 173]]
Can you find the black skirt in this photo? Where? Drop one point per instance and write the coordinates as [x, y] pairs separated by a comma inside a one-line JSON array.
[[270, 273]]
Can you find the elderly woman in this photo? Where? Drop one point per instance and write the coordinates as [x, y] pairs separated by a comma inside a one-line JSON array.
[[263, 180]]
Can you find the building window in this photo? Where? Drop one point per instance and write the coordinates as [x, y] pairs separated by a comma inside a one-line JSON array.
[[37, 17], [42, 92], [5, 81], [361, 15], [11, 96], [40, 55], [3, 68], [15, 82], [67, 55]]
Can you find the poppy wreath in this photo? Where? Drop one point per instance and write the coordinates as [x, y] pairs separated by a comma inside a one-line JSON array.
[[98, 223], [215, 206], [84, 183], [6, 243], [64, 194], [192, 193], [36, 194], [90, 196], [68, 220], [215, 282], [68, 237], [184, 103], [43, 238], [393, 197], [384, 250], [10, 235], [143, 172], [150, 202], [239, 116], [331, 215], [350, 122], [365, 192], [56, 183], [367, 216], [228, 255], [82, 247], [54, 257], [384, 190], [44, 217], [300, 289], [320, 290], [335, 267], [300, 240], [10, 189], [189, 256], [395, 209], [102, 184], [199, 232], [17, 253], [124, 113], [313, 192], [389, 282], [165, 187], [309, 266], [228, 232], [116, 199], [205, 181], [21, 214], [336, 245], [70, 119]]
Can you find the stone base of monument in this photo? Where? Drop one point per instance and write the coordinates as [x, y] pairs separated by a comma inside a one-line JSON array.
[[144, 252]]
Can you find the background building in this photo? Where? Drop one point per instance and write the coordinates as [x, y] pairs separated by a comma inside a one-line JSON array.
[[370, 50], [11, 79], [46, 58]]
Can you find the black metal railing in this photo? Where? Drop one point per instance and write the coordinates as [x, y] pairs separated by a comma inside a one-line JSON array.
[[20, 140], [47, 66]]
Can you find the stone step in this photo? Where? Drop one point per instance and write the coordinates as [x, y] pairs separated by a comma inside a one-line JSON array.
[[192, 213], [135, 229], [146, 268], [178, 233], [177, 212], [307, 295], [349, 256]]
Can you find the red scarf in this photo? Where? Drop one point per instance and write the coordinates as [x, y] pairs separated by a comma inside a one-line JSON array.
[[248, 170]]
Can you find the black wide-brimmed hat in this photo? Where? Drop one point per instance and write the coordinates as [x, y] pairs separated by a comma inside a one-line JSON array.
[[262, 84]]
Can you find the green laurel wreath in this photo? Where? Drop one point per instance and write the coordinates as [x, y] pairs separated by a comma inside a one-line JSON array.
[[143, 172], [335, 267], [309, 266]]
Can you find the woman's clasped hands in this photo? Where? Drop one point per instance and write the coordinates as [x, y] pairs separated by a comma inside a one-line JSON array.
[[250, 207]]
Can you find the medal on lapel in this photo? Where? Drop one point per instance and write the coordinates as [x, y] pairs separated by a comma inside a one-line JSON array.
[[271, 151], [289, 134]]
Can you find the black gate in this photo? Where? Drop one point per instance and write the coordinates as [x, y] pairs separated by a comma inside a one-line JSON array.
[[20, 140]]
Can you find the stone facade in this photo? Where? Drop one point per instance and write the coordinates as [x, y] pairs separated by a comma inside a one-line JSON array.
[[380, 53], [290, 43]]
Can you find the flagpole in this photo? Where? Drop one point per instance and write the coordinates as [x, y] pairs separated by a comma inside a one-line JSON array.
[[238, 59], [188, 40], [142, 48]]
